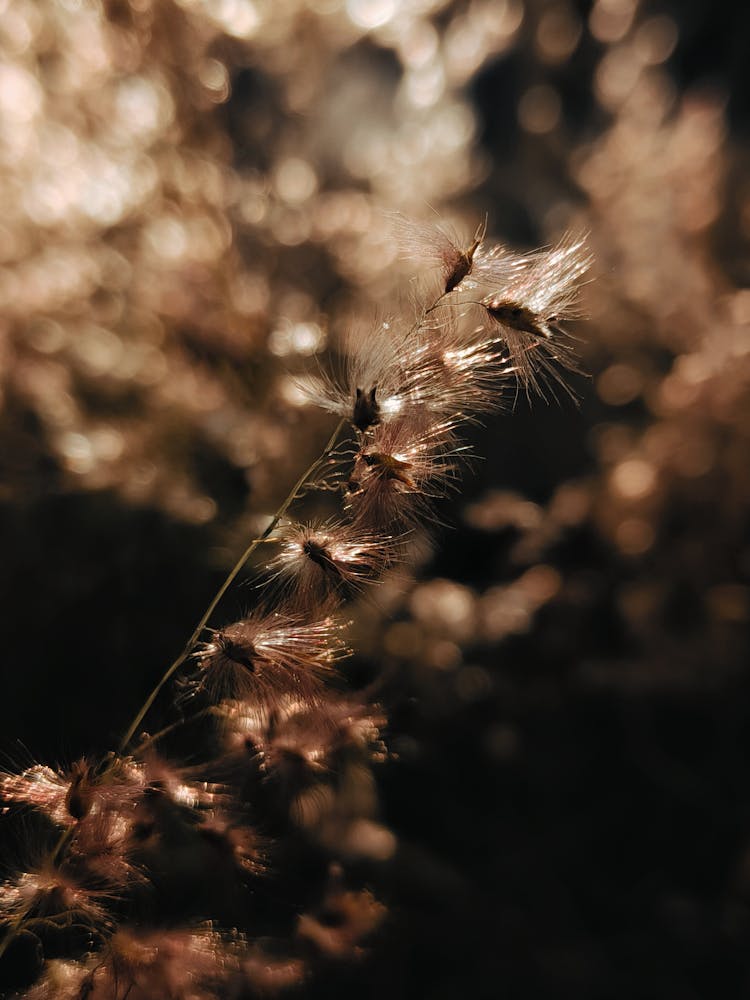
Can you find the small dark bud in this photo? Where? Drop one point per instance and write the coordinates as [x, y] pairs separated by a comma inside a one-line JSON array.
[[519, 318], [321, 556], [389, 467], [366, 412], [78, 798], [462, 267], [244, 654]]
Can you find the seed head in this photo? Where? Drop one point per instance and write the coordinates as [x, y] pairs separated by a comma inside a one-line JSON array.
[[103, 847], [371, 385], [399, 469], [51, 894], [436, 247], [530, 308], [66, 796], [453, 372], [63, 979], [318, 562], [164, 963], [268, 655]]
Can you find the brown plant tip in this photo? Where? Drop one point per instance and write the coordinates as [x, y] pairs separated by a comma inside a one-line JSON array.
[[460, 267], [78, 798], [521, 318], [436, 247]]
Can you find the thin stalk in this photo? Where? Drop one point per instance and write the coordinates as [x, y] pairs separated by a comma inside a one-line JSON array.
[[306, 475], [155, 737]]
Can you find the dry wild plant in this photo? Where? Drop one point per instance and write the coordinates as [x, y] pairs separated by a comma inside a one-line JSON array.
[[150, 878]]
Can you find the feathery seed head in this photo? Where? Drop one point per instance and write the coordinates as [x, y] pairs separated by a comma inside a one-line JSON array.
[[63, 979], [268, 655], [399, 469], [306, 750], [495, 266], [67, 796], [436, 366], [371, 386], [547, 285], [102, 847], [309, 733], [436, 248], [530, 308], [55, 896], [319, 561], [42, 788], [452, 371]]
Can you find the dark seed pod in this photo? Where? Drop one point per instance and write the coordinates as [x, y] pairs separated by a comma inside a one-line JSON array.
[[366, 411]]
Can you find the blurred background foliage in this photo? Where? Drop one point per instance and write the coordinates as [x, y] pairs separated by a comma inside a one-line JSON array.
[[193, 203]]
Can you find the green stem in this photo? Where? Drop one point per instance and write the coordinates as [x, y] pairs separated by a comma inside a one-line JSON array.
[[306, 475]]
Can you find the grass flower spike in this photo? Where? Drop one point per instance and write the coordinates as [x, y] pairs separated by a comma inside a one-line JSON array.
[[282, 776]]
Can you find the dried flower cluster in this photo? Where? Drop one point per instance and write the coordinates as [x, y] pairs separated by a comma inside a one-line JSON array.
[[136, 852], [189, 190]]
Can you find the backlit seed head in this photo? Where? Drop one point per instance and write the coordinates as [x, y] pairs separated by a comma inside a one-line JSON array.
[[400, 469], [529, 310], [67, 795], [267, 656], [435, 247], [321, 560]]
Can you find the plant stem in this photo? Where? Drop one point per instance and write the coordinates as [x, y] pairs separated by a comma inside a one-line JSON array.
[[306, 475], [155, 737]]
